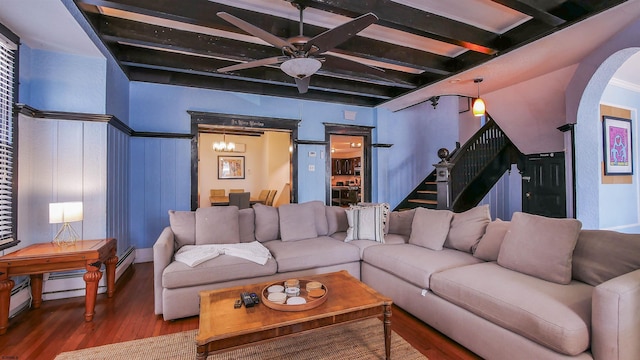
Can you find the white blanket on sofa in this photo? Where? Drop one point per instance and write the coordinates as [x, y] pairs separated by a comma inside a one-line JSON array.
[[193, 255]]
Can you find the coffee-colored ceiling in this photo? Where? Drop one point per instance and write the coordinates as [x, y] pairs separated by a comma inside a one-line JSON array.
[[416, 42]]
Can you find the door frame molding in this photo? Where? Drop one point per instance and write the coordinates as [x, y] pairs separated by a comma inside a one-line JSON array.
[[231, 121], [349, 130]]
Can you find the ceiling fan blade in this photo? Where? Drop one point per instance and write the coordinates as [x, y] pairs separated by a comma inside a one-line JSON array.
[[351, 65], [303, 84], [256, 31], [334, 37], [252, 64]]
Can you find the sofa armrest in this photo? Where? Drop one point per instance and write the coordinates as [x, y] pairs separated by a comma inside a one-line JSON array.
[[615, 323], [162, 255]]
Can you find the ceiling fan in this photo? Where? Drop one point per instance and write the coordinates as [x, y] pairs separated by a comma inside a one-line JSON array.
[[302, 56]]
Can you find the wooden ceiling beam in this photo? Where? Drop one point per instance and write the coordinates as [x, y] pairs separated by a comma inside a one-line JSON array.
[[203, 14], [225, 84], [139, 57], [414, 21]]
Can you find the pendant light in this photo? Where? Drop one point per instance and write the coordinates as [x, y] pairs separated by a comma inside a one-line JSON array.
[[478, 104]]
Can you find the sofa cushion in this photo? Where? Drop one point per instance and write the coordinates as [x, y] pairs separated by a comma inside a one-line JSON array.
[[390, 239], [429, 228], [540, 246], [246, 221], [467, 228], [311, 253], [222, 268], [366, 222], [297, 222], [267, 222], [336, 219], [183, 226], [320, 216], [601, 255], [400, 222], [555, 316], [217, 225], [415, 264], [488, 247]]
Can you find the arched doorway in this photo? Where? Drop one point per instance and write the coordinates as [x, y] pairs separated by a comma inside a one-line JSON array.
[[596, 200]]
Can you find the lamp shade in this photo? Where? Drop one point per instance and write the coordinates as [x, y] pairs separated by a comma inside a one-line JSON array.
[[65, 212], [478, 107], [300, 67]]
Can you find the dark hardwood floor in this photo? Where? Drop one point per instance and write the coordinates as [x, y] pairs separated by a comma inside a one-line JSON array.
[[59, 324]]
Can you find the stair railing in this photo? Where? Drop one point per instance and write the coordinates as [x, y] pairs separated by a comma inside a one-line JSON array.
[[469, 161]]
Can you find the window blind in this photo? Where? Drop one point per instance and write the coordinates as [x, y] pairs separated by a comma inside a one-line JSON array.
[[7, 86]]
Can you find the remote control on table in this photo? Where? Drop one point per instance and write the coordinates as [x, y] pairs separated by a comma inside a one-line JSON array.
[[246, 299], [255, 298]]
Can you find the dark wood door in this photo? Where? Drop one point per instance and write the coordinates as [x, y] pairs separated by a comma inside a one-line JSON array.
[[543, 185]]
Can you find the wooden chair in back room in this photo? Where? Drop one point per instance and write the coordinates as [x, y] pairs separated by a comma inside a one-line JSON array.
[[263, 196], [236, 191], [272, 195], [213, 193]]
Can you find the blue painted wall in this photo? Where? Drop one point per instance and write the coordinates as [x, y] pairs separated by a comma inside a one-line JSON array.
[[62, 82], [160, 168], [416, 134]]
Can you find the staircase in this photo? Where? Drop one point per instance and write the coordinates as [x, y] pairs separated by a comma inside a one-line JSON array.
[[474, 169]]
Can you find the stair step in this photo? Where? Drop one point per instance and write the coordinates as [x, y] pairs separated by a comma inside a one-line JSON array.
[[427, 192], [423, 201], [431, 183]]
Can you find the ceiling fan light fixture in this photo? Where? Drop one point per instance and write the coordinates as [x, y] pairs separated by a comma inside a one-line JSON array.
[[301, 67]]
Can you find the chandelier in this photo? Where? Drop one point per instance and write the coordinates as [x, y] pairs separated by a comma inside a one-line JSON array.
[[223, 145]]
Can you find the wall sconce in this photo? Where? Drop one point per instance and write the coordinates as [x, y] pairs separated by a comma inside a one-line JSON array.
[[355, 145], [65, 213], [478, 104]]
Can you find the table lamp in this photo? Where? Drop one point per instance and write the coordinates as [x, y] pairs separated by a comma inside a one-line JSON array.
[[65, 212]]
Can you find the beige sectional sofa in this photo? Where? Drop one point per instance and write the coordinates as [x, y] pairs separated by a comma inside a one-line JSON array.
[[531, 288]]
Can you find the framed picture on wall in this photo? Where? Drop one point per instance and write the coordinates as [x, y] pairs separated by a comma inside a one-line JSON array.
[[230, 167], [618, 147]]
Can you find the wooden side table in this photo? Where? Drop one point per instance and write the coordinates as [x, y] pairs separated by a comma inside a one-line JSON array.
[[38, 259]]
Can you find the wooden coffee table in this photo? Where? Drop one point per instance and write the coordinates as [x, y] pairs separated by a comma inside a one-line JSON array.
[[222, 327]]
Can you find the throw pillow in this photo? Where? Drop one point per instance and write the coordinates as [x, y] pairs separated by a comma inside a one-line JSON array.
[[387, 211], [488, 247], [297, 222], [400, 222], [217, 225], [336, 219], [540, 246], [429, 228], [467, 228], [601, 255], [183, 225], [366, 222], [267, 222]]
